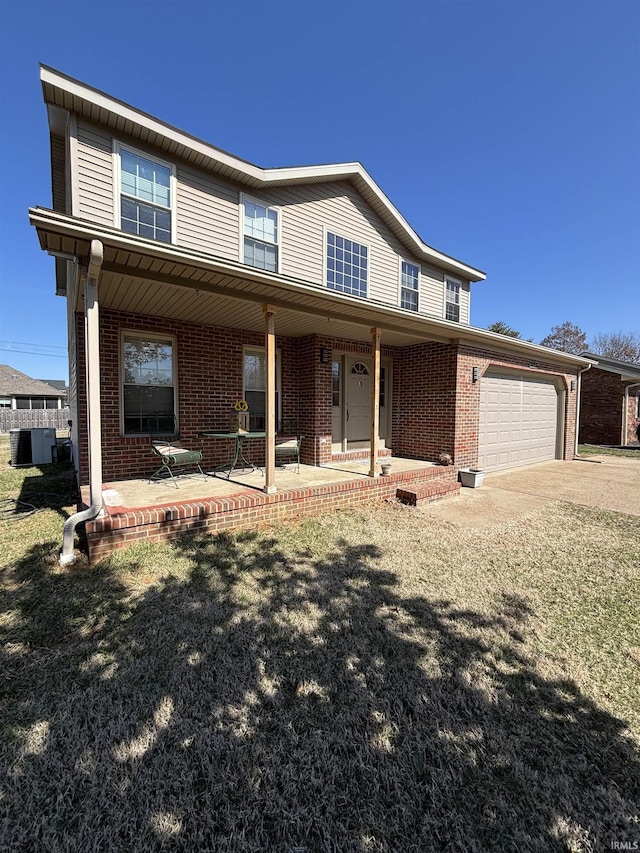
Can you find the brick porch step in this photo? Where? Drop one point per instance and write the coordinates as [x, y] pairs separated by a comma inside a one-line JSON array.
[[435, 491]]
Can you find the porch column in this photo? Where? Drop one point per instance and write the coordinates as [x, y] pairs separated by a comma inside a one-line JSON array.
[[375, 400], [270, 401]]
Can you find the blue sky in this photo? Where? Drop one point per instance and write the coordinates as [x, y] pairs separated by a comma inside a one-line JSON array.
[[507, 133]]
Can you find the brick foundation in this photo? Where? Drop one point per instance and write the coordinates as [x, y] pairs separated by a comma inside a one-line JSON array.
[[248, 509]]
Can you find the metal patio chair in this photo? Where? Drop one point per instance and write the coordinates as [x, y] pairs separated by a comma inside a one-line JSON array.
[[176, 459], [289, 444]]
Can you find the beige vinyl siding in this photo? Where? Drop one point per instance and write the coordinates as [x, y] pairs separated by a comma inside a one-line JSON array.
[[94, 174], [208, 219], [207, 213], [465, 303], [431, 291], [432, 294], [308, 210]]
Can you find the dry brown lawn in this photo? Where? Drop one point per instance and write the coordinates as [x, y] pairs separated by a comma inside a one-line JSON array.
[[365, 681]]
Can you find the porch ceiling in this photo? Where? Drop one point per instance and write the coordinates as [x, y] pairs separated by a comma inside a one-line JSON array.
[[147, 277], [184, 302]]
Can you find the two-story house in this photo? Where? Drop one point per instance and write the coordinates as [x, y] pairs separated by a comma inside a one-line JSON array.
[[195, 279]]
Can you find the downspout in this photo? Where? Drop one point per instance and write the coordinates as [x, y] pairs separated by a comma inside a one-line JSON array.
[[94, 424], [625, 426], [578, 395]]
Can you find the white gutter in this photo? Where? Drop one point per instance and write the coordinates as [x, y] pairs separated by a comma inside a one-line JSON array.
[[626, 412], [94, 423], [578, 394]]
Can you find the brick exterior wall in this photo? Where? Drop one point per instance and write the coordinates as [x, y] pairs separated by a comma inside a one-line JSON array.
[[424, 386], [435, 403], [208, 371], [602, 409]]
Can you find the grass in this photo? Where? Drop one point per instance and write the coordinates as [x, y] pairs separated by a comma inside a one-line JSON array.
[[364, 681], [603, 450]]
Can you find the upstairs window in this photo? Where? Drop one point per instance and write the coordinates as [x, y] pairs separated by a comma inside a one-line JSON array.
[[148, 393], [452, 300], [261, 229], [347, 265], [145, 196], [409, 280]]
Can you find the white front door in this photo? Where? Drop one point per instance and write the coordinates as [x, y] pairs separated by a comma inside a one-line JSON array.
[[358, 402]]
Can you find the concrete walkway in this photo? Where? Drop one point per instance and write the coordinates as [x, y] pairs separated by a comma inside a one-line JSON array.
[[603, 482]]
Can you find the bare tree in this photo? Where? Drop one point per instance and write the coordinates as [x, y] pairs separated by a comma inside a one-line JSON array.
[[623, 346], [567, 337]]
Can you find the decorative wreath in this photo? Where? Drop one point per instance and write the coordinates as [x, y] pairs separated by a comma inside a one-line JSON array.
[[241, 406]]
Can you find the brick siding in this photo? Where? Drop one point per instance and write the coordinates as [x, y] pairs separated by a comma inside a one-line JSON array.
[[435, 403], [602, 409]]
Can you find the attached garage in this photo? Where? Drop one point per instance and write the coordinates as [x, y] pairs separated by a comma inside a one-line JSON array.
[[518, 420]]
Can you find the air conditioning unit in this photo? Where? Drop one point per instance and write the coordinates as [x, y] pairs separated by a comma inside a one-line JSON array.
[[43, 446], [33, 446]]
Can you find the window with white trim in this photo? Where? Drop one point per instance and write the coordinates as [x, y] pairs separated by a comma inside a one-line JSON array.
[[148, 385], [347, 265], [452, 300], [255, 387], [261, 235], [145, 196], [34, 403], [409, 284]]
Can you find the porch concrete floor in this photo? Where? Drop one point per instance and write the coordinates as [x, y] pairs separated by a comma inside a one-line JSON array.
[[137, 494]]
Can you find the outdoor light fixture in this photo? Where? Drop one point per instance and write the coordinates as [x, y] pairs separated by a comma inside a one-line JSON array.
[[475, 373], [325, 355], [573, 384]]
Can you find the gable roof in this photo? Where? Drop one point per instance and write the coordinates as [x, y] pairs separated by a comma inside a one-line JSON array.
[[13, 383], [62, 93], [627, 369]]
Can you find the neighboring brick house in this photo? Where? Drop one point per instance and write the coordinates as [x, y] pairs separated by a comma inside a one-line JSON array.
[[302, 290], [610, 402]]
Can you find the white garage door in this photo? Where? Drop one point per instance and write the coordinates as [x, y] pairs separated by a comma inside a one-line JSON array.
[[518, 421]]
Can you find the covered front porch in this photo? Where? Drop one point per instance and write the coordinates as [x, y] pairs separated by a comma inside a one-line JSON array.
[[137, 510], [360, 379]]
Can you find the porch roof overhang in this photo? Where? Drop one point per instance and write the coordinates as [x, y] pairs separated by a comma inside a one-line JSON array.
[[628, 372], [146, 277], [64, 95]]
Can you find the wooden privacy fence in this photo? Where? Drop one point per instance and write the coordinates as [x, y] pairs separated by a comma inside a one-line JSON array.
[[33, 418]]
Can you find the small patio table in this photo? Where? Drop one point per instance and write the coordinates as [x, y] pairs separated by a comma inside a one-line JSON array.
[[237, 456]]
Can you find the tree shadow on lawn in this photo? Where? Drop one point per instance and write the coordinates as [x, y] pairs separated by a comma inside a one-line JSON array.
[[277, 701]]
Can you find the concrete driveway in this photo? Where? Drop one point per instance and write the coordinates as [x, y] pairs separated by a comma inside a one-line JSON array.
[[603, 482]]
